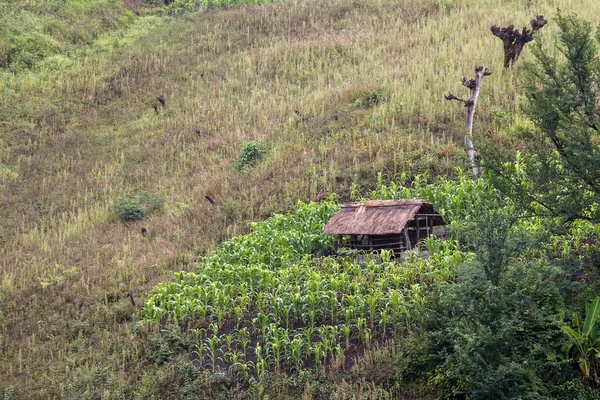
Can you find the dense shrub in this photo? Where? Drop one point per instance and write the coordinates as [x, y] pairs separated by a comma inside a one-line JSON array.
[[482, 341], [252, 153], [131, 208]]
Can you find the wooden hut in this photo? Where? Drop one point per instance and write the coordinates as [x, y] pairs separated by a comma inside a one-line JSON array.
[[385, 224]]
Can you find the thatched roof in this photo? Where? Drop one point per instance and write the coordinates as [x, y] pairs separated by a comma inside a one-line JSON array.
[[380, 217]]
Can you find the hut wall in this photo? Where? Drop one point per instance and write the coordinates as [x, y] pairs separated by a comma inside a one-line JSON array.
[[394, 242]]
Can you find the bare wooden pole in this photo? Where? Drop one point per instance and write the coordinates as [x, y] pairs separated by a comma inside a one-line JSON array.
[[418, 228], [474, 85], [408, 244]]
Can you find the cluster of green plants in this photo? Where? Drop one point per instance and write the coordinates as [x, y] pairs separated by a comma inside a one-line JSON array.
[[252, 153], [262, 302], [553, 173], [131, 208], [584, 340]]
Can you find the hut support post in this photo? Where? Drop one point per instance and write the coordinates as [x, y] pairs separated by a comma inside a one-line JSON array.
[[407, 242], [418, 230]]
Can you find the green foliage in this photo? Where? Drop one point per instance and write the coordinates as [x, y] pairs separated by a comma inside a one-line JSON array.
[[556, 174], [5, 50], [453, 198], [131, 208], [370, 98], [230, 210], [252, 153], [480, 215], [182, 7], [484, 341], [9, 393], [584, 342], [489, 229], [488, 335]]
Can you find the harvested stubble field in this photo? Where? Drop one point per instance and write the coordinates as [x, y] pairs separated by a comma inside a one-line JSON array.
[[74, 137]]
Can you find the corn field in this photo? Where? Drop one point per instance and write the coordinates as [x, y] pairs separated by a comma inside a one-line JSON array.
[[262, 302]]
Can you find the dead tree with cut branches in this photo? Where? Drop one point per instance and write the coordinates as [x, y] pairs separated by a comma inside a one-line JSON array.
[[473, 85], [514, 40]]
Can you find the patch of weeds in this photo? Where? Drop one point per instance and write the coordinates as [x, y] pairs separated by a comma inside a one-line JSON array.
[[229, 209], [5, 50], [132, 208], [366, 97], [181, 7], [251, 155], [7, 173], [9, 393]]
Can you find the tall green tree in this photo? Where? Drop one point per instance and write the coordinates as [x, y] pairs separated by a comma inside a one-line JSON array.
[[557, 170]]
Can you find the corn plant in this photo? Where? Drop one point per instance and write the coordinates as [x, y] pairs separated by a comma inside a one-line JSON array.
[[297, 352], [319, 355], [213, 346], [346, 330], [242, 370]]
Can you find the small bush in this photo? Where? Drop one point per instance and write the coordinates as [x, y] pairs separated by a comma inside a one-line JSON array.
[[366, 97], [132, 208], [252, 154], [55, 63], [230, 210]]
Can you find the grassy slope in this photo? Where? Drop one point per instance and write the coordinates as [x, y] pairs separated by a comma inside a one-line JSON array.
[[72, 139]]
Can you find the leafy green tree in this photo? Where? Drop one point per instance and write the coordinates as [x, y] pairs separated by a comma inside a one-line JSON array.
[[488, 230], [557, 173]]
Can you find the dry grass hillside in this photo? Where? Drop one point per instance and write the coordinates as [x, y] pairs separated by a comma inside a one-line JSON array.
[[368, 77]]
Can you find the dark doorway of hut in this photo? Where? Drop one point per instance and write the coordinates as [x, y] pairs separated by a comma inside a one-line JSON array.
[[396, 225]]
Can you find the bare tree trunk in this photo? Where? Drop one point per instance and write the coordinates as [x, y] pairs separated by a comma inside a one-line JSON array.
[[473, 85]]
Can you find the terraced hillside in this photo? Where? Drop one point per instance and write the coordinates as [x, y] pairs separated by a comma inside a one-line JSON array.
[[333, 92]]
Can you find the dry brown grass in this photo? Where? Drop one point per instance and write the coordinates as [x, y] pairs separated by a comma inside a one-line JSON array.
[[73, 139]]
